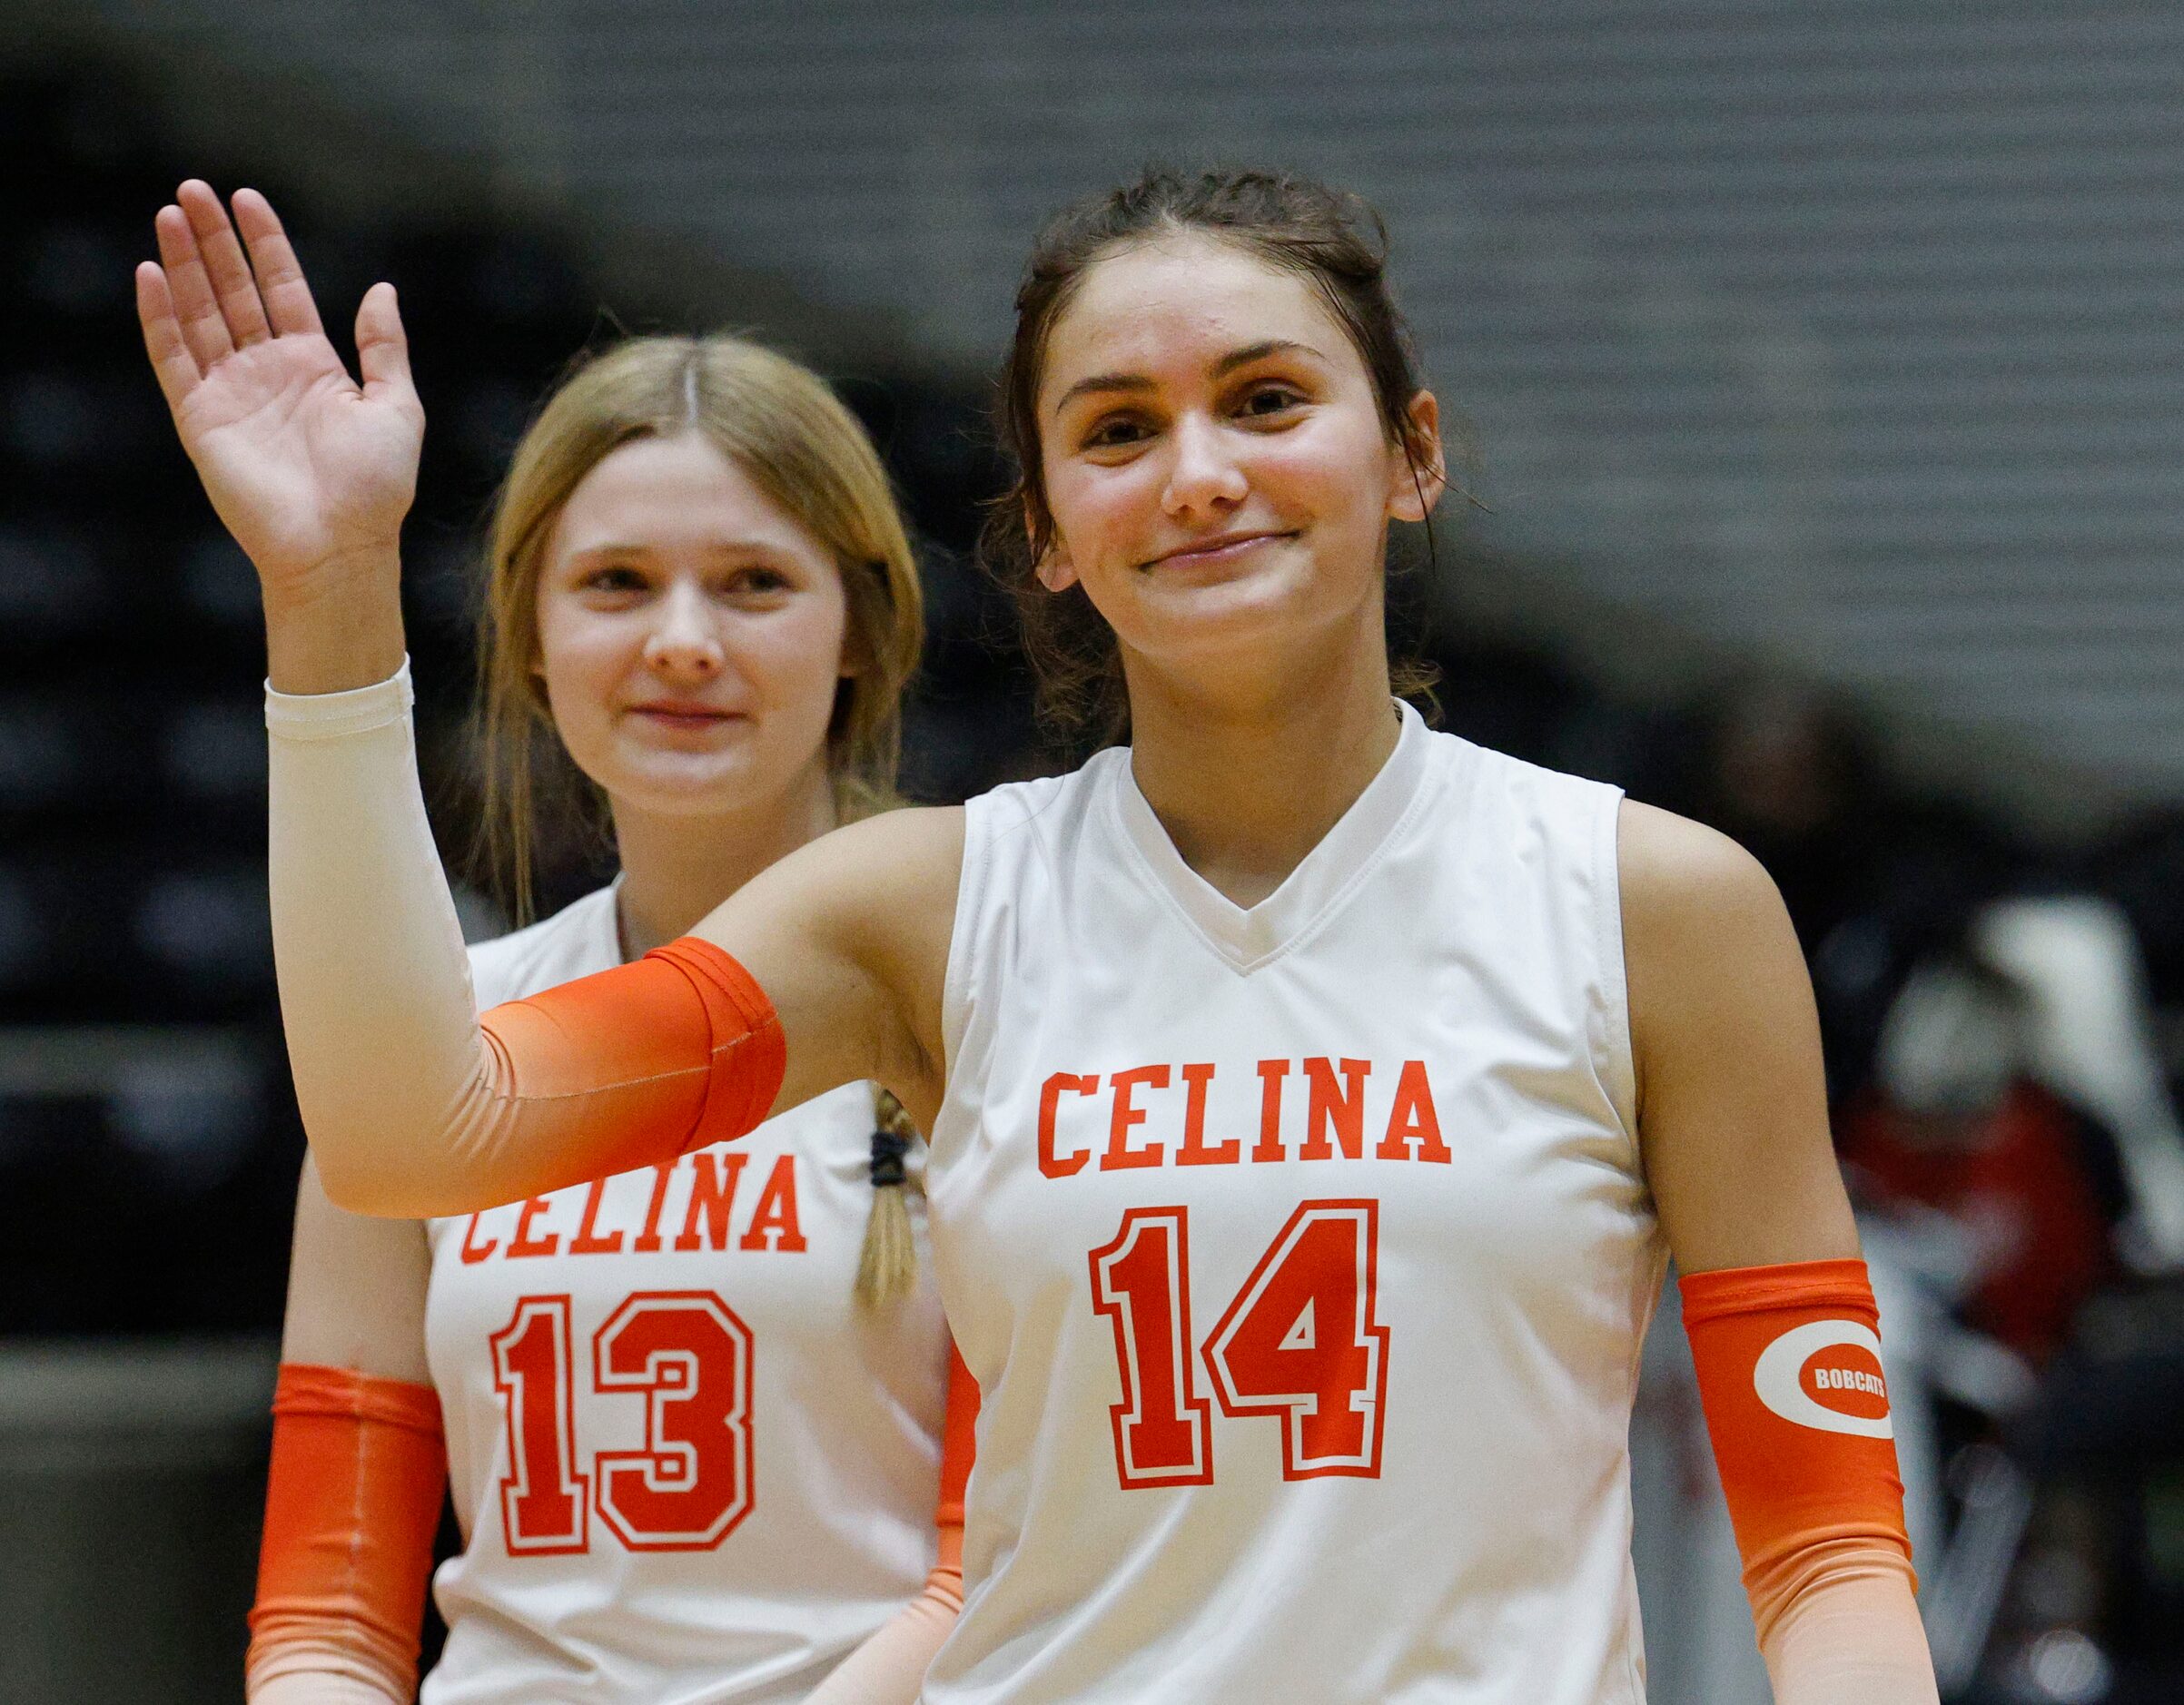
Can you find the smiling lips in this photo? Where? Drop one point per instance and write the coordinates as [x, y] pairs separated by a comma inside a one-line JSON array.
[[679, 714], [1220, 549]]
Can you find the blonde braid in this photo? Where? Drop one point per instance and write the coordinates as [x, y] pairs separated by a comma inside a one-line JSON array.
[[888, 1268]]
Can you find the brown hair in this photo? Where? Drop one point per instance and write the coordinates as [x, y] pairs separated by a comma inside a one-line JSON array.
[[1334, 241], [779, 423]]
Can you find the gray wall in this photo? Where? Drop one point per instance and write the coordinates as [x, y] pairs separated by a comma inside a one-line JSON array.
[[1845, 328]]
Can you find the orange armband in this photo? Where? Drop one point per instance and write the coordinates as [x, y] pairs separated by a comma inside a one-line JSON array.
[[643, 1063], [959, 1446], [1789, 1369], [353, 1502]]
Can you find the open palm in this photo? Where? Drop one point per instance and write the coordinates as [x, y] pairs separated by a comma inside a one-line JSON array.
[[309, 469]]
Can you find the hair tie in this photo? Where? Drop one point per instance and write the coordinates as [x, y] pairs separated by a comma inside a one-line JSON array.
[[888, 1148]]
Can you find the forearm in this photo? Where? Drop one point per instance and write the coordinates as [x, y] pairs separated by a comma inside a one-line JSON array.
[[375, 987], [304, 1673], [890, 1668], [1788, 1363], [352, 1496], [1840, 1626]]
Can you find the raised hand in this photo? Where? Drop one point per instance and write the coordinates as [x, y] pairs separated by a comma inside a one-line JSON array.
[[312, 472]]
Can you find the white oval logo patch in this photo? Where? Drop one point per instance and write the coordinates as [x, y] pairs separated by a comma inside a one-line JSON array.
[[1779, 1378]]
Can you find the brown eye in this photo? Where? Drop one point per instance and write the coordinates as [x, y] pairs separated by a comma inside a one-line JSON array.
[[1263, 400], [759, 582], [1115, 432], [616, 577]]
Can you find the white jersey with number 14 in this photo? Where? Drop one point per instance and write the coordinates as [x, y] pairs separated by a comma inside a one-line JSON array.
[[1302, 1254]]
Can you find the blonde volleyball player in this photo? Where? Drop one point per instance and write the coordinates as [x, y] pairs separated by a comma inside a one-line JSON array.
[[1313, 1099], [691, 1412]]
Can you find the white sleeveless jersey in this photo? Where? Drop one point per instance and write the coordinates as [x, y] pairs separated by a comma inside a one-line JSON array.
[[1301, 1253], [688, 1468]]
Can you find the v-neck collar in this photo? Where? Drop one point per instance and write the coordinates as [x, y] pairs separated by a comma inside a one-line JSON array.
[[1249, 937]]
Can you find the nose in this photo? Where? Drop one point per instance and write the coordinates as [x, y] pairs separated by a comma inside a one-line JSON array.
[[683, 643], [1203, 476]]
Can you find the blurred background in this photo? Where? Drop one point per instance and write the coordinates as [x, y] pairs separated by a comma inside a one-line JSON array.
[[1825, 366]]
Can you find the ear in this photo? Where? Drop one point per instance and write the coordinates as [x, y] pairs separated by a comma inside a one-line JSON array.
[[1054, 570], [1416, 480]]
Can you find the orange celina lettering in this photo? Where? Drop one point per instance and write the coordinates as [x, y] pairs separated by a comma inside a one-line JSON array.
[[473, 1252], [588, 1241], [649, 1239], [1054, 1164], [1412, 1120], [776, 1216], [1268, 1146], [1338, 1111], [1126, 1115], [1192, 1151], [712, 1194], [523, 1244]]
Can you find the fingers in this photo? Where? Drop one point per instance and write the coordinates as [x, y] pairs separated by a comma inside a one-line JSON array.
[[225, 269], [382, 347], [172, 362], [203, 327], [280, 281]]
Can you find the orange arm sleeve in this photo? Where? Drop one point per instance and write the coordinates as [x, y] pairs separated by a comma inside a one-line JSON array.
[[889, 1669], [353, 1502], [1796, 1402], [628, 1068]]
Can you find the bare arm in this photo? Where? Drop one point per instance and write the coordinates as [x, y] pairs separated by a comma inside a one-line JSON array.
[[356, 1289], [1732, 1120], [1732, 1103]]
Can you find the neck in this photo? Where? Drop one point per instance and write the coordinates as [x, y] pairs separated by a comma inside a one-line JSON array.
[[1248, 781], [675, 868]]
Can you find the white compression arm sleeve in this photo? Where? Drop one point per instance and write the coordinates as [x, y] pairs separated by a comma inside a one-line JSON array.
[[375, 983]]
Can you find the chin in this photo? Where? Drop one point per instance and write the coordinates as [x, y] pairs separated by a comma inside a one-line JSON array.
[[1183, 620], [691, 785]]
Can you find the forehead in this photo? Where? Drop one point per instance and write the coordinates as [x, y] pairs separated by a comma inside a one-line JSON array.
[[668, 491], [1169, 307]]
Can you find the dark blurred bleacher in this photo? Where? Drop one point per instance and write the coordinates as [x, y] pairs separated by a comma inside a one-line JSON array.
[[148, 1144]]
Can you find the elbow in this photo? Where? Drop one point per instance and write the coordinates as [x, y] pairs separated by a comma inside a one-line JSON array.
[[364, 1172], [354, 1183], [379, 1157]]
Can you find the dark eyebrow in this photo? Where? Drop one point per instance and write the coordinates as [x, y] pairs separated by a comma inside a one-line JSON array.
[[1244, 357], [1228, 364]]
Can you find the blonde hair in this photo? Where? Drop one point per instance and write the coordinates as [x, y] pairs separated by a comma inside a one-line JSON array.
[[779, 423]]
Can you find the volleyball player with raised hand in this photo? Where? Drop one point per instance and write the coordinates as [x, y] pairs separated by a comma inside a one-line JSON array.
[[691, 1412], [1314, 1098]]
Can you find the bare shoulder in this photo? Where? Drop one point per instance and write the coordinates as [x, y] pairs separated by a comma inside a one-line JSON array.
[[1707, 942], [899, 867], [1677, 875], [915, 835], [898, 857]]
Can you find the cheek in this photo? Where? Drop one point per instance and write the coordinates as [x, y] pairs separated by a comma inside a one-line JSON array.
[[795, 656], [582, 656], [1092, 505], [1330, 472]]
